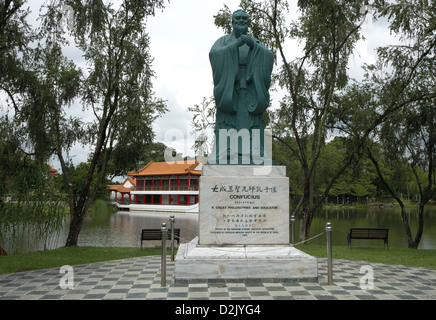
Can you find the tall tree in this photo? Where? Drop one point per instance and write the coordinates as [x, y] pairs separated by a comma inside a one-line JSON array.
[[116, 88], [15, 36], [400, 91], [328, 31], [410, 135], [17, 82], [320, 99]]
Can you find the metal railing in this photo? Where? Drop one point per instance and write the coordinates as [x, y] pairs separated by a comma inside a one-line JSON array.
[[329, 229], [164, 230], [328, 232], [163, 279]]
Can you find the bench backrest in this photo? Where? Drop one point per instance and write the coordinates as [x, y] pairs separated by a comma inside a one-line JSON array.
[[367, 233], [156, 234]]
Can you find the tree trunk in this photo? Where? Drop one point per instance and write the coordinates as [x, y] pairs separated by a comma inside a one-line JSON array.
[[76, 222], [307, 214], [413, 244], [405, 222]]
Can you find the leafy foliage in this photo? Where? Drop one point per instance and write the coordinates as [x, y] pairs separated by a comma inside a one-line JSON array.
[[388, 111], [115, 87]]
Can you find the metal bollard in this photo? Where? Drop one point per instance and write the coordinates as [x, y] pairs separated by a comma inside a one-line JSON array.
[[163, 279], [328, 229], [173, 220], [292, 229]]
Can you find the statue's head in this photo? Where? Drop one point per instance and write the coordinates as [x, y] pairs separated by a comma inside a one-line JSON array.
[[240, 21]]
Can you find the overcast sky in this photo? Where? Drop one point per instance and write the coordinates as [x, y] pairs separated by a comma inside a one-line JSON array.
[[181, 37]]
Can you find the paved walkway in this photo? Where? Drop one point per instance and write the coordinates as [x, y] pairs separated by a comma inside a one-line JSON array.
[[140, 278]]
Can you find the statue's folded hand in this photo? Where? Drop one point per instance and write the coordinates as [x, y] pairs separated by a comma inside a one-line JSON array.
[[248, 40]]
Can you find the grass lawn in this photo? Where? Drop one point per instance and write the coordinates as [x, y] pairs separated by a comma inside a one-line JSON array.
[[69, 256], [81, 255]]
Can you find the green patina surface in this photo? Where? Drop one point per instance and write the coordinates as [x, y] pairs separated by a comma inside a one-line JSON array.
[[242, 68]]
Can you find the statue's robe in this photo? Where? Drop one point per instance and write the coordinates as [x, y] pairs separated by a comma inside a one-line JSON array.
[[242, 77]]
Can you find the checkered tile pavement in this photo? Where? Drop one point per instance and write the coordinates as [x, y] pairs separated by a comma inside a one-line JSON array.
[[140, 278]]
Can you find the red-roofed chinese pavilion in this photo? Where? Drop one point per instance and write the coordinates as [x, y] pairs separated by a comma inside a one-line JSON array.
[[160, 186]]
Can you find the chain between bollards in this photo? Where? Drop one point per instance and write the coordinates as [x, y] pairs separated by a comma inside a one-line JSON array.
[[163, 279], [328, 229]]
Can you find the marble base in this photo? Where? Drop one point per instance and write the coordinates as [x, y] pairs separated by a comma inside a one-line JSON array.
[[194, 262]]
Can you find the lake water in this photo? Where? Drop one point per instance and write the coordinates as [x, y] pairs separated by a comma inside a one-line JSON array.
[[123, 229], [343, 220]]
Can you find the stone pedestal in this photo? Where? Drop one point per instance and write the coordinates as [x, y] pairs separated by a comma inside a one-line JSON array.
[[243, 228], [245, 205], [196, 262]]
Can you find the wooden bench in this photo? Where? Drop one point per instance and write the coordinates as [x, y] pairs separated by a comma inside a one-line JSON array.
[[156, 234], [368, 233]]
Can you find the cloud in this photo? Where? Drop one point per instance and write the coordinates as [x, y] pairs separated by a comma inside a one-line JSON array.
[[376, 34], [181, 36]]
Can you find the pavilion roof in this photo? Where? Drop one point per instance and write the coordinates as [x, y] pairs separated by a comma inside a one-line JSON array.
[[188, 167], [52, 171], [122, 188]]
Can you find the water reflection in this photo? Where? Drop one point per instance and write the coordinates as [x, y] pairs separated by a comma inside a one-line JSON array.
[[123, 229], [390, 218]]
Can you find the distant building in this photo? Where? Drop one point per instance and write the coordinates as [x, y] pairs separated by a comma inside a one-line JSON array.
[[121, 193], [52, 171], [160, 187]]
